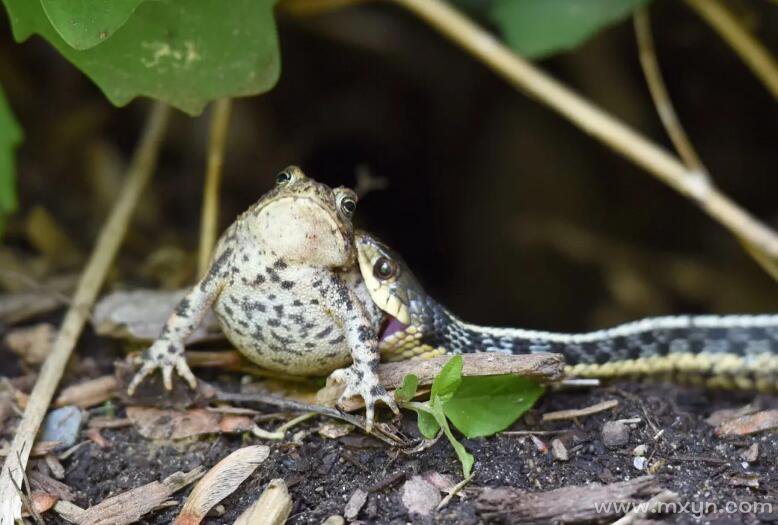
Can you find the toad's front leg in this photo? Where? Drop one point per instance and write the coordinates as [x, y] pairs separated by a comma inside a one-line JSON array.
[[167, 352], [361, 378]]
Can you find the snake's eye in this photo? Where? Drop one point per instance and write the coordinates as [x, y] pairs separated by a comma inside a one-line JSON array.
[[283, 178], [384, 268], [348, 206]]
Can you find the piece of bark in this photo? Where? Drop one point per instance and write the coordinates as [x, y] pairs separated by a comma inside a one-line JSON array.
[[541, 367], [130, 506], [272, 508], [44, 483], [88, 393], [575, 504], [751, 424]]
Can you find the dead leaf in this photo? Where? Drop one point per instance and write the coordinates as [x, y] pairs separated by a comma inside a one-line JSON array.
[[420, 497], [155, 423], [272, 508], [32, 343], [751, 424]]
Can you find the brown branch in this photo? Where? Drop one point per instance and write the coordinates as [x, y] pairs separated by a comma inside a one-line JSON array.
[[541, 367]]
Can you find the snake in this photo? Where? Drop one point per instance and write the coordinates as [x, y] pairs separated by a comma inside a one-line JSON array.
[[714, 351]]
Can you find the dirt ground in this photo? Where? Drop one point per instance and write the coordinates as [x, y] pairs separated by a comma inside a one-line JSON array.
[[323, 473]]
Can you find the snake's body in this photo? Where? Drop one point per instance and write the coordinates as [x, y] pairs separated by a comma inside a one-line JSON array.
[[731, 351]]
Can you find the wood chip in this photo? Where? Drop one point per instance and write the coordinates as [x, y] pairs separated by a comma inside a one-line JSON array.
[[220, 482], [561, 415], [32, 343], [559, 450], [272, 508], [751, 424], [726, 414], [355, 504], [130, 506], [583, 503], [88, 393], [154, 423], [751, 454]]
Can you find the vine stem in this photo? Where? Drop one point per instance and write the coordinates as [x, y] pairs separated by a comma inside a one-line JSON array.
[[209, 220], [750, 50], [658, 90], [672, 124], [106, 247], [536, 83]]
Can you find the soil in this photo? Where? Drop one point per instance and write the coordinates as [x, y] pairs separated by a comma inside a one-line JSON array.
[[322, 474]]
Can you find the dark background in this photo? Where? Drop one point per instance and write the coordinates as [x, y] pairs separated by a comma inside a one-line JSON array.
[[505, 211]]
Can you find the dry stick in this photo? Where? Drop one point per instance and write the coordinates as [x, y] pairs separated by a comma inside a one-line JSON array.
[[623, 139], [220, 119], [672, 124], [88, 286], [656, 86], [750, 50]]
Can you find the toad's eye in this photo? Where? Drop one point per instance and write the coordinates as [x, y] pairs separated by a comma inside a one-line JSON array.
[[283, 178], [348, 206], [384, 268]]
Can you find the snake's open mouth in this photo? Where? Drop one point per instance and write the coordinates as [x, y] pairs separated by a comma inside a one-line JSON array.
[[391, 326]]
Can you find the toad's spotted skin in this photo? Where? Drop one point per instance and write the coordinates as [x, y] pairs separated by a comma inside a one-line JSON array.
[[287, 291]]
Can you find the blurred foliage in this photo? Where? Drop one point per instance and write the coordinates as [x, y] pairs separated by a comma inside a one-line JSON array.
[[539, 28], [10, 137], [183, 53]]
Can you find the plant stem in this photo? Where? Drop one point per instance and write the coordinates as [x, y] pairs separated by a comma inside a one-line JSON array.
[[662, 101], [92, 278], [526, 77], [750, 50], [220, 119]]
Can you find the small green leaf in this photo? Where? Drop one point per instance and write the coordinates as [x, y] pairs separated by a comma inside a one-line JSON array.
[[465, 458], [428, 425], [484, 405], [10, 138], [85, 23], [448, 379], [407, 390], [183, 52], [539, 28]]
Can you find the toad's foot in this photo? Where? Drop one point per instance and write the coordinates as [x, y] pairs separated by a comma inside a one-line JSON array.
[[365, 385], [166, 356]]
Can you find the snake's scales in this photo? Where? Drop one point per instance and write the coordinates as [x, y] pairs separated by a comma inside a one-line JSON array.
[[731, 351]]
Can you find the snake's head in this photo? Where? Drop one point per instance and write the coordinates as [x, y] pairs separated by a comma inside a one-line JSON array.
[[391, 284]]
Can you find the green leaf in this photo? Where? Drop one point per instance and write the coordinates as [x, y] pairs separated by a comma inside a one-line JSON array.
[[183, 52], [484, 405], [428, 425], [407, 390], [85, 23], [538, 28], [465, 458], [10, 137], [448, 379]]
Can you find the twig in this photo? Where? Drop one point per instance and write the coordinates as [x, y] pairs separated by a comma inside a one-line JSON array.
[[750, 50], [454, 491], [662, 101], [672, 123], [89, 285], [560, 415], [220, 119], [295, 406], [593, 120]]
